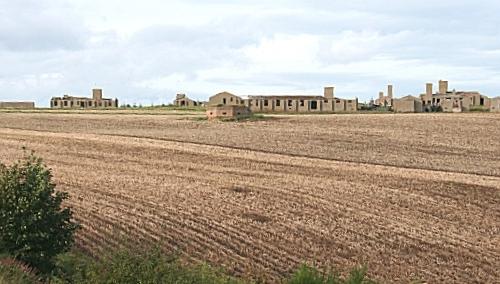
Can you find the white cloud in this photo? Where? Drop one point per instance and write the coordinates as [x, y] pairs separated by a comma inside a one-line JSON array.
[[143, 52]]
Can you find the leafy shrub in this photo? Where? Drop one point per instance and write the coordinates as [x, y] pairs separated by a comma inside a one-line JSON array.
[[34, 228], [309, 275], [150, 266]]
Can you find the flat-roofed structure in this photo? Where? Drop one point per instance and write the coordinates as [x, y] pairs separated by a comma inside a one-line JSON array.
[[17, 105], [228, 111], [495, 104], [71, 102], [407, 104]]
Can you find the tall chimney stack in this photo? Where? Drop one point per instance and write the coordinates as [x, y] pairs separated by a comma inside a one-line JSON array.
[[97, 94], [443, 87], [390, 93], [429, 89], [329, 92]]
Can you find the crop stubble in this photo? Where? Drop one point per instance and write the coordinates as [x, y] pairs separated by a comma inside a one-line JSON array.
[[411, 196]]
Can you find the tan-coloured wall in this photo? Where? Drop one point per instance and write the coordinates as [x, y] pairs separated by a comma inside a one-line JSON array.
[[407, 105], [226, 99], [390, 91], [17, 105], [451, 105], [351, 105], [97, 94], [443, 87], [228, 112], [339, 105], [79, 103], [329, 92], [495, 104]]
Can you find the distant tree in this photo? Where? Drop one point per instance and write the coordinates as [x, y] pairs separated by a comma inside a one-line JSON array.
[[34, 227]]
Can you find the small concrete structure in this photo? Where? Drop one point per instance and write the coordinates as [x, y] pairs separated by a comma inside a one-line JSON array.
[[407, 104], [70, 102], [228, 111], [17, 105], [495, 104]]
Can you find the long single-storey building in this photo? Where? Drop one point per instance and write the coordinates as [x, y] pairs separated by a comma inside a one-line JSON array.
[[97, 101], [288, 103], [17, 105]]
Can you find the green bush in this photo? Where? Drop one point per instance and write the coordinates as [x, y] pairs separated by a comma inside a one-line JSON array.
[[309, 275], [149, 266], [12, 274], [34, 228]]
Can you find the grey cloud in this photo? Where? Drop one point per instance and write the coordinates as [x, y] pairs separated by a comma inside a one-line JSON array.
[[29, 25]]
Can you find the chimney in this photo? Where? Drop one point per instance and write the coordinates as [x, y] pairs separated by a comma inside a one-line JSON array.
[[381, 95], [329, 92], [443, 87], [390, 91], [428, 89], [97, 94]]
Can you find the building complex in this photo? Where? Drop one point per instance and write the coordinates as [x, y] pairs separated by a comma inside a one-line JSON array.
[[70, 102]]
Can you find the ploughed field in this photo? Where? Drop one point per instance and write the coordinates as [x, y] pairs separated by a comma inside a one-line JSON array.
[[409, 196]]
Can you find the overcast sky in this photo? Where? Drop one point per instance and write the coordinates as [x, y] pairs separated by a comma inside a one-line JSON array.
[[147, 51]]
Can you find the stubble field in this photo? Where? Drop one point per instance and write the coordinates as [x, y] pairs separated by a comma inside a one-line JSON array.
[[409, 196]]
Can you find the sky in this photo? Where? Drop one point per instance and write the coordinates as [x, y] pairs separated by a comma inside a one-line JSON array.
[[144, 52]]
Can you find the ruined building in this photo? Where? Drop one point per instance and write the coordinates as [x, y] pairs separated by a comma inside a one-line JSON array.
[[407, 104], [385, 101], [289, 103], [70, 102], [181, 100], [452, 101]]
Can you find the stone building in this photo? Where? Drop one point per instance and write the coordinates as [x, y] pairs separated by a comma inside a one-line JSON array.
[[302, 104], [407, 104], [452, 101], [70, 102], [289, 103], [495, 104], [385, 101], [225, 99], [228, 111], [17, 105], [181, 100]]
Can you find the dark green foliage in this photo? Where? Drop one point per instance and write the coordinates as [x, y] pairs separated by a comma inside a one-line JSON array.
[[309, 275], [34, 228]]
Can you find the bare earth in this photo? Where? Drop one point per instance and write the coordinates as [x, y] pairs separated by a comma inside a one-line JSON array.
[[410, 196]]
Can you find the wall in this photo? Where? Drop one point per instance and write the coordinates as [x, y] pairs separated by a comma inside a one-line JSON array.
[[227, 112], [79, 103], [407, 105], [225, 98], [495, 105], [17, 105]]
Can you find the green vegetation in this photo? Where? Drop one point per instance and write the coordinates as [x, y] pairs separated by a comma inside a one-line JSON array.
[[34, 227], [309, 275], [479, 109]]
